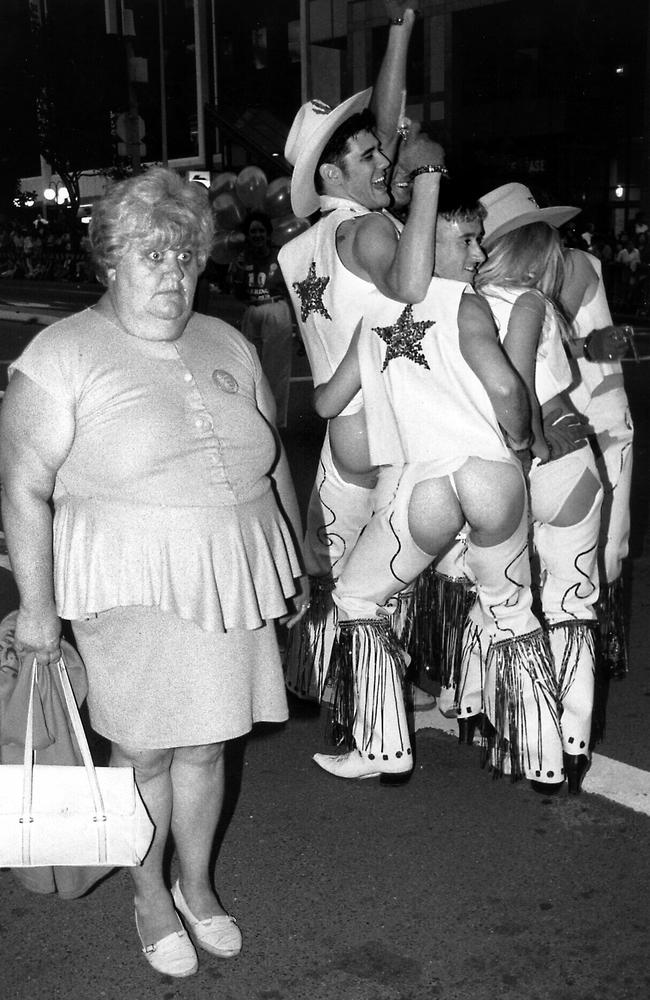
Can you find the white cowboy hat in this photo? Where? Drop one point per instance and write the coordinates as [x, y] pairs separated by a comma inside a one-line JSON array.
[[512, 206], [312, 129]]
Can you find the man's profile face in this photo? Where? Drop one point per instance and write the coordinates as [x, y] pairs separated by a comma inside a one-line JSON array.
[[363, 172], [458, 249]]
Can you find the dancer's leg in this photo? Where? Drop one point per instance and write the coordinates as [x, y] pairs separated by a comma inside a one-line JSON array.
[[566, 498], [369, 703], [338, 511], [520, 697]]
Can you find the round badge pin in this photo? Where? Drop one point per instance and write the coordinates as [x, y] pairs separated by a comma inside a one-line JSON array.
[[224, 380]]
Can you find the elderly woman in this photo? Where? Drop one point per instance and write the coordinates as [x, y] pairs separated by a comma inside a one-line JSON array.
[[149, 431]]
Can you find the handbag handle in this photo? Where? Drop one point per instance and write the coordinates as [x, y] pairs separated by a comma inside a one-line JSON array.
[[78, 729]]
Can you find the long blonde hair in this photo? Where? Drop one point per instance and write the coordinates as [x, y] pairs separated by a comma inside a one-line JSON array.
[[528, 257]]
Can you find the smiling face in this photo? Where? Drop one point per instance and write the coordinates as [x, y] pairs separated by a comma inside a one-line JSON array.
[[152, 290], [361, 176], [458, 248]]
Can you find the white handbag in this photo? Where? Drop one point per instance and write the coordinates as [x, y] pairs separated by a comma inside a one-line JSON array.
[[67, 815]]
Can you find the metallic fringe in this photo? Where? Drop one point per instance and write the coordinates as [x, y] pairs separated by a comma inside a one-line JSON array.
[[305, 669], [363, 646], [611, 652], [474, 639], [526, 655], [402, 613], [611, 620], [578, 635], [433, 632]]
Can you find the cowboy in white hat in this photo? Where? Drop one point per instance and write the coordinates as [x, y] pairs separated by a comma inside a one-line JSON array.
[[340, 160], [442, 399]]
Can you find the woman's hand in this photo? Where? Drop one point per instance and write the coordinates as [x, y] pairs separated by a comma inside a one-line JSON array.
[[610, 343], [39, 635], [300, 603], [398, 8], [418, 149], [565, 432], [540, 449]]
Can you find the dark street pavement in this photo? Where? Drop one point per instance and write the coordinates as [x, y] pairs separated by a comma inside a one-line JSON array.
[[452, 887]]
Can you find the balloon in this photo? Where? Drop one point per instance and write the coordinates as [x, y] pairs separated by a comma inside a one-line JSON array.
[[286, 228], [223, 183], [226, 246], [278, 198], [228, 212], [251, 187]]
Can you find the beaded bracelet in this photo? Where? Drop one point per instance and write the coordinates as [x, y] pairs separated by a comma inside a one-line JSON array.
[[396, 20], [429, 168]]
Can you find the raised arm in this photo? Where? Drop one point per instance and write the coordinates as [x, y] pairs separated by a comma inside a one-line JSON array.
[[480, 347], [390, 88], [36, 434], [400, 266]]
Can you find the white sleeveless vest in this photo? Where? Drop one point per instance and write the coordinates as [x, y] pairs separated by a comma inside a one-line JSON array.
[[423, 401], [552, 369], [327, 298]]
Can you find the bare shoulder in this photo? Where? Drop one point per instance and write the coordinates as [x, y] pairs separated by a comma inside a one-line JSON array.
[[532, 300], [580, 279], [373, 226], [364, 241], [577, 264], [474, 315]]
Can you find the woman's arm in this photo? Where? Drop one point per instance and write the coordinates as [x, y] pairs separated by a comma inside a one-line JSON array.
[[520, 344], [330, 398], [287, 500], [36, 434], [480, 347], [608, 343]]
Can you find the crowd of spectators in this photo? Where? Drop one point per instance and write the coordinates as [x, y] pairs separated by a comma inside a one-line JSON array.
[[45, 251], [50, 251], [625, 257]]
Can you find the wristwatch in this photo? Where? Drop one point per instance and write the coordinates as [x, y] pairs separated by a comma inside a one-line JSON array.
[[429, 168]]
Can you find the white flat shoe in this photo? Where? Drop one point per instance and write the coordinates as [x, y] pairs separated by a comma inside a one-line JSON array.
[[353, 765], [219, 935], [173, 955]]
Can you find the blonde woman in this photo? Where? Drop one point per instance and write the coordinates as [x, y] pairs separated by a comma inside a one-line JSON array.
[[521, 280]]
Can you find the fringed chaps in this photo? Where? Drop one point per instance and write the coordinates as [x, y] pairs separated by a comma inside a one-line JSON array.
[[310, 641], [502, 575], [473, 657], [521, 704], [572, 647], [609, 415], [367, 673], [434, 628], [569, 567], [337, 513]]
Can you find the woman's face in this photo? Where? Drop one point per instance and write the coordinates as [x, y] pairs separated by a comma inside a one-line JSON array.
[[149, 285], [257, 235]]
